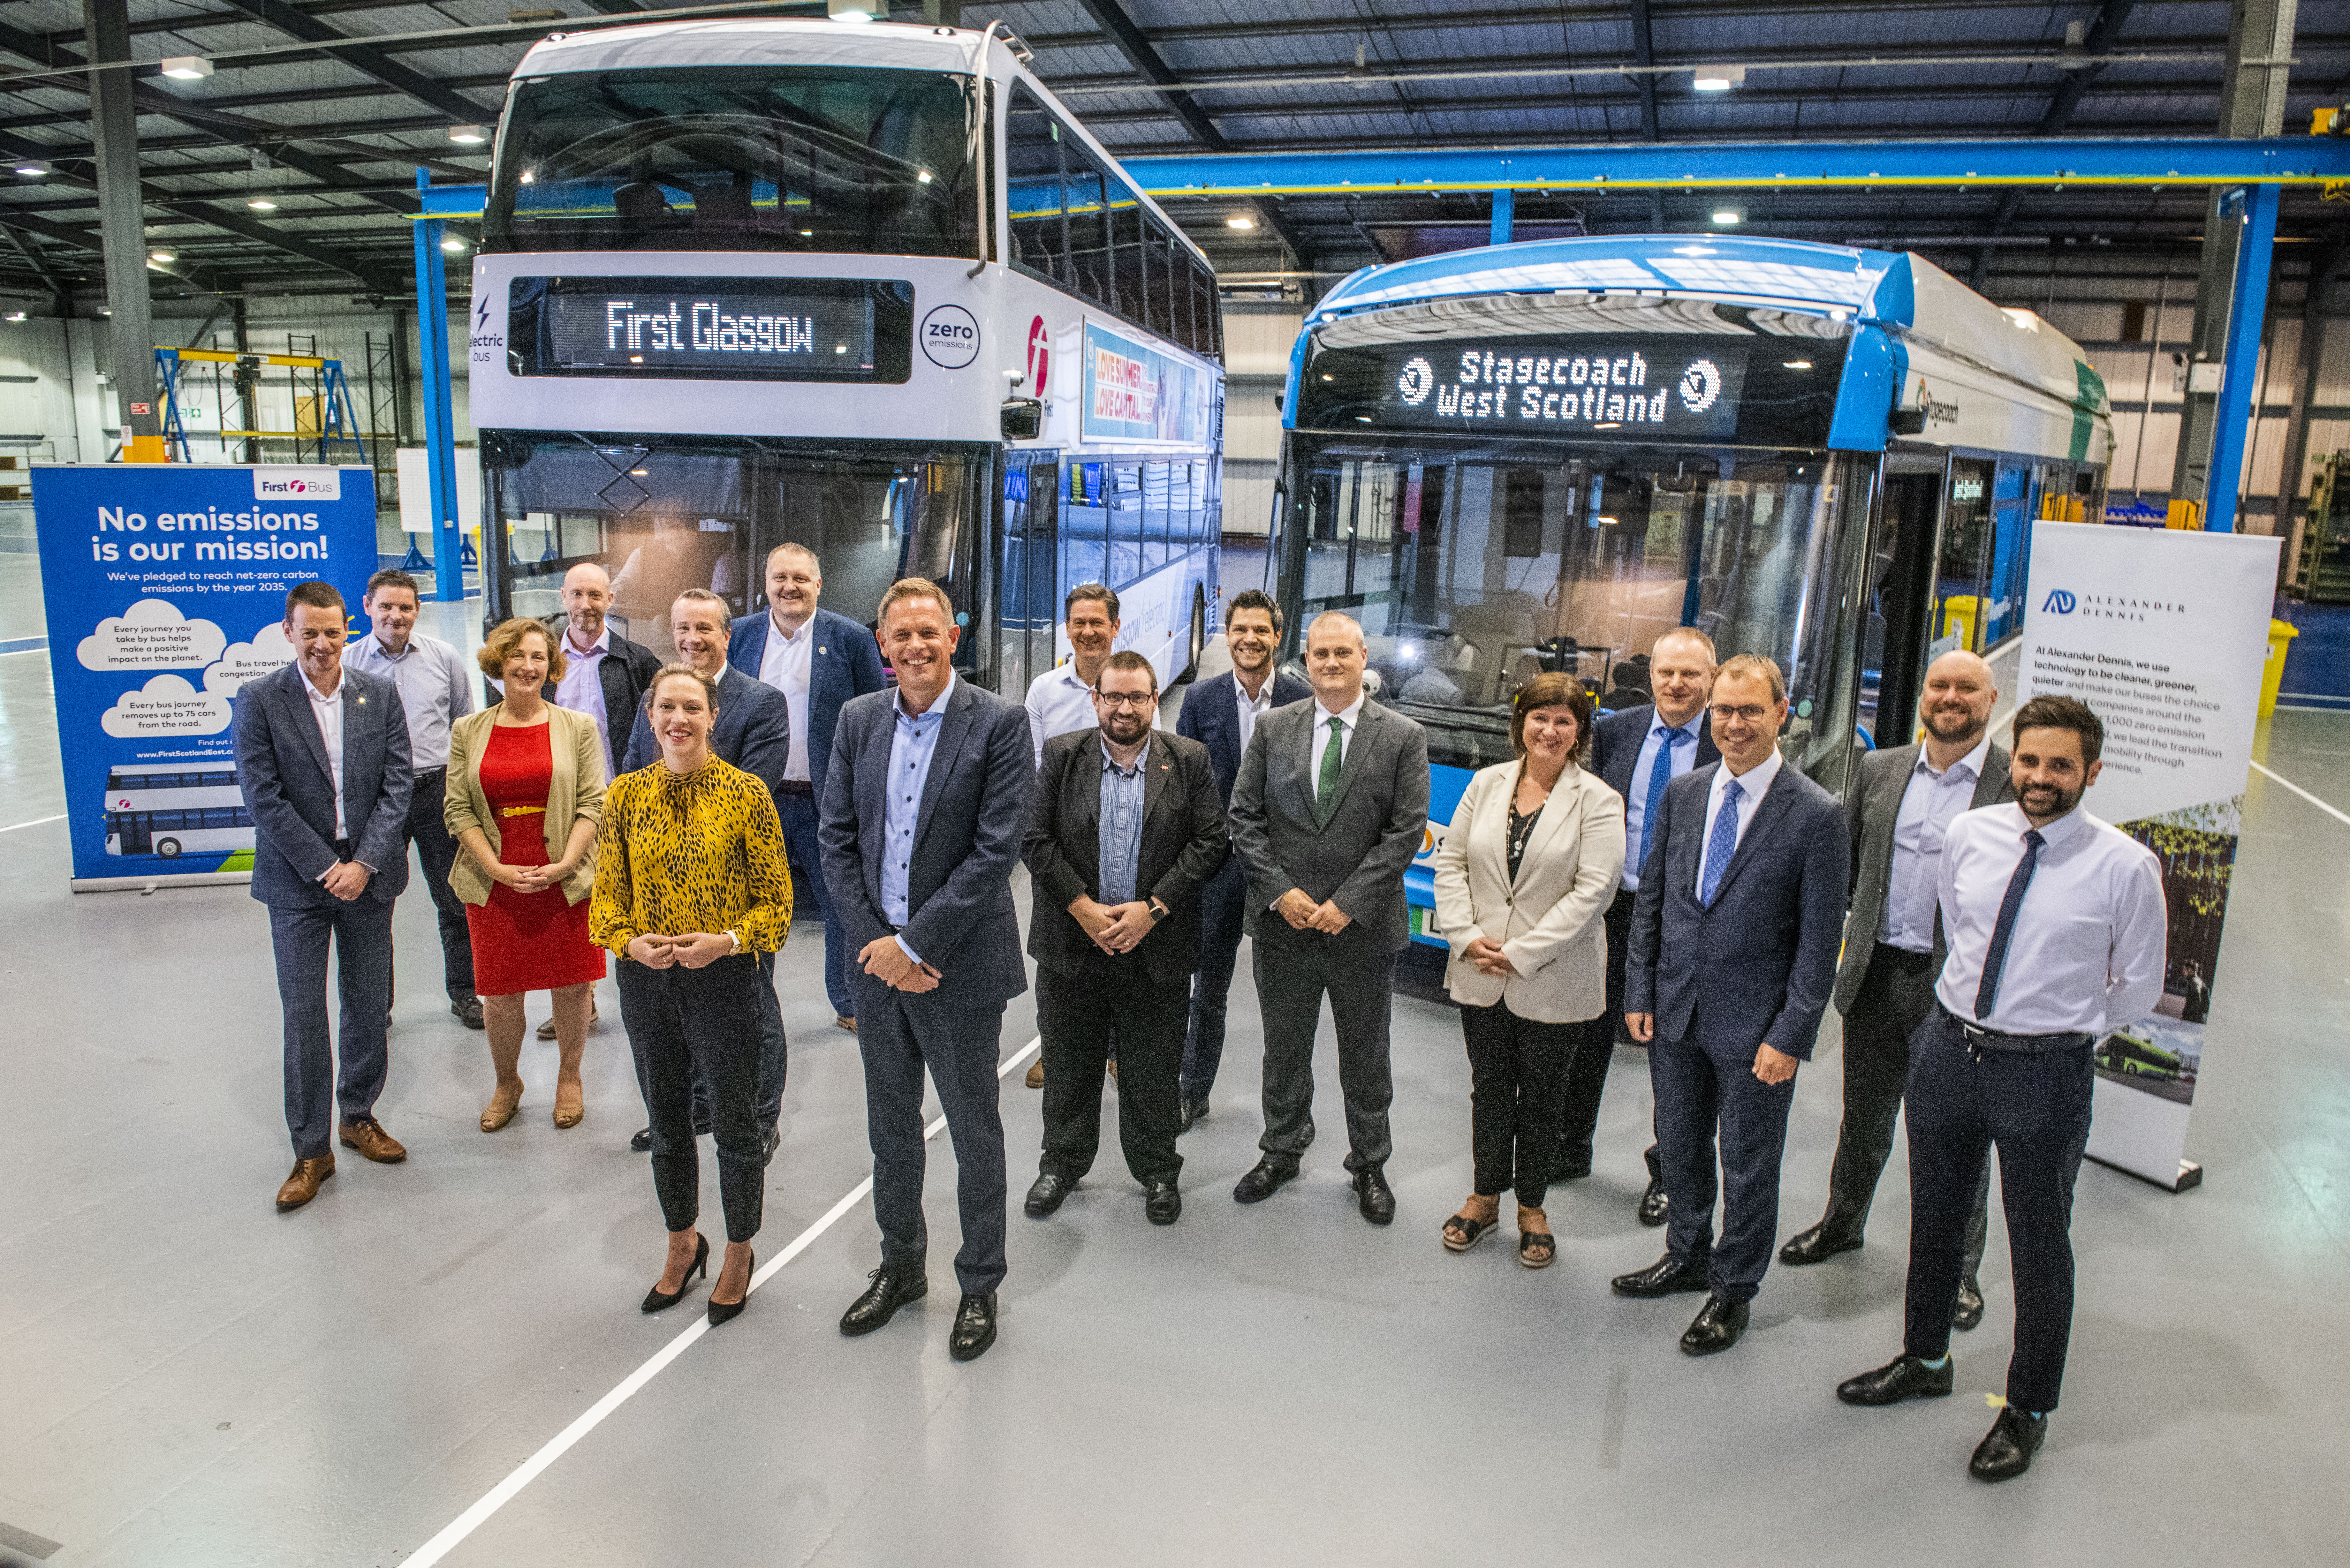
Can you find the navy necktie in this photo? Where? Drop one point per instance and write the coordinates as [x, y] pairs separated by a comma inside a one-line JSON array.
[[1995, 958], [1722, 845], [1660, 774]]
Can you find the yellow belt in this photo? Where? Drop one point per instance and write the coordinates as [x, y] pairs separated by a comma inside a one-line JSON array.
[[522, 811]]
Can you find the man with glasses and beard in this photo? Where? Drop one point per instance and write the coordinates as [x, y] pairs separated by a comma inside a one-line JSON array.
[[1124, 826]]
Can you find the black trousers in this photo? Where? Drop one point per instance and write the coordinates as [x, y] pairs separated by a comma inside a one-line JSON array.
[[775, 1059], [1896, 996], [1586, 1077], [437, 852], [1517, 1095], [2033, 1107], [899, 1033], [1292, 977], [1077, 1017], [1224, 897], [688, 1023], [1696, 1091]]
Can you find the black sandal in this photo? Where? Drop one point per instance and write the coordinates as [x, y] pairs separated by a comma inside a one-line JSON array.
[[1463, 1231], [1536, 1249]]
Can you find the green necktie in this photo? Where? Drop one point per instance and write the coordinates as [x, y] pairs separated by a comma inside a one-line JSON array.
[[1328, 785]]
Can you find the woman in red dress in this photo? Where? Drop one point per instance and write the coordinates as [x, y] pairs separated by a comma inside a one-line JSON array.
[[526, 793]]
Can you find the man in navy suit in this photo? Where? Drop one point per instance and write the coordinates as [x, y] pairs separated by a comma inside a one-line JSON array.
[[924, 805], [1625, 749], [817, 661], [1734, 940], [322, 757], [1221, 715], [752, 732]]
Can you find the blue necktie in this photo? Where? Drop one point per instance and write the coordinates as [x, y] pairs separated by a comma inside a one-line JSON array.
[[1660, 774], [1721, 844], [1995, 958]]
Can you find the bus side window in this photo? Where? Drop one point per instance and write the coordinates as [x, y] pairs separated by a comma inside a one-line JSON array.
[[1033, 185], [1158, 279], [1088, 220], [1126, 252]]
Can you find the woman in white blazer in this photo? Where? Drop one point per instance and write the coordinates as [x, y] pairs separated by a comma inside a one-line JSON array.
[[1523, 882]]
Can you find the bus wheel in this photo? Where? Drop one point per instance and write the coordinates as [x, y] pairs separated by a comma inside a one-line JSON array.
[[1199, 635], [169, 848]]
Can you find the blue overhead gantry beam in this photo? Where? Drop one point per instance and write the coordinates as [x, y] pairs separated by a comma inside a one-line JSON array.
[[2262, 166]]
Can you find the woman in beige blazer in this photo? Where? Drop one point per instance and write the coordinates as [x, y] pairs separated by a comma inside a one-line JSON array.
[[525, 794], [1523, 882]]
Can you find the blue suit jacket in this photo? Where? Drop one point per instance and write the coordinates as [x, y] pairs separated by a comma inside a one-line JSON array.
[[1211, 716], [973, 810], [1758, 966], [281, 765], [753, 730], [845, 662], [1615, 747]]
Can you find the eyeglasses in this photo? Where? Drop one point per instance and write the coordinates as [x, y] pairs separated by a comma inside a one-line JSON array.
[[1138, 700], [1746, 713]]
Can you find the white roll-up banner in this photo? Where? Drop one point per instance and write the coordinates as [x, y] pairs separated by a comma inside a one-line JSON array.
[[2163, 635]]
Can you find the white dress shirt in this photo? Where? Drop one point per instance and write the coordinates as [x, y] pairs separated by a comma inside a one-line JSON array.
[[785, 666], [1250, 708], [581, 689], [1318, 741], [435, 688], [1636, 799], [328, 712], [1930, 804], [1059, 702], [2086, 953], [1752, 785]]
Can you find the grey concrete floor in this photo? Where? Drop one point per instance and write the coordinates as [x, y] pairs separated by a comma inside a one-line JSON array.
[[189, 1378]]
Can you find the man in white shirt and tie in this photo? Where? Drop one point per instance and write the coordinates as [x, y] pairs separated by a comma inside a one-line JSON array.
[[2056, 929]]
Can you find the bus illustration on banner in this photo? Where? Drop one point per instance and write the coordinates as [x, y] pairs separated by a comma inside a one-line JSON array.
[[182, 812]]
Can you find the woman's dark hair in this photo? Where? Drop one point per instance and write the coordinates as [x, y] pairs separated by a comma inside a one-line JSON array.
[[1552, 688], [2064, 713], [709, 687]]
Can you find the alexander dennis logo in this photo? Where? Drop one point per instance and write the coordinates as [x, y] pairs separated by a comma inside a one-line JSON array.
[[2060, 602], [2108, 607]]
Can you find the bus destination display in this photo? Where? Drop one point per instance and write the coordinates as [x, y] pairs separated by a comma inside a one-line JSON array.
[[786, 329], [1578, 385]]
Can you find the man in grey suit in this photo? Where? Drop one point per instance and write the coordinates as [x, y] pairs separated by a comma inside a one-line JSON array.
[[1326, 814], [322, 757], [1893, 950], [924, 803], [1734, 938]]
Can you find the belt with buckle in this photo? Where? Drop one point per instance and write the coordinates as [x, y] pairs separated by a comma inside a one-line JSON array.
[[796, 786], [1984, 1039], [522, 811]]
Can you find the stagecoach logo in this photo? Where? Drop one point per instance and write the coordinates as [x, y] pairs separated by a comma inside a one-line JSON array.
[[1418, 379], [1701, 385], [2108, 607], [1040, 355], [950, 338]]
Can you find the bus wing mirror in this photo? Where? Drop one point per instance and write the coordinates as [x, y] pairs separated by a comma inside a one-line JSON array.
[[1024, 418], [1910, 422]]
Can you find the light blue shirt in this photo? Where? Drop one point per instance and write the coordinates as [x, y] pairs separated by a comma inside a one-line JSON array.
[[1121, 827], [435, 688], [1635, 798], [911, 748]]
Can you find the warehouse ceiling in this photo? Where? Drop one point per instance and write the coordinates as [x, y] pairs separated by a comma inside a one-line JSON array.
[[289, 169]]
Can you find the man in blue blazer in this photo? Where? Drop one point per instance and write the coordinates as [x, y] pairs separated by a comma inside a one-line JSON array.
[[818, 660], [1221, 715], [322, 758], [752, 732], [1734, 940], [925, 800], [1626, 749]]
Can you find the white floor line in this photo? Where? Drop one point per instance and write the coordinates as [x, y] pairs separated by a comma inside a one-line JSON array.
[[35, 823], [529, 1470], [2329, 811]]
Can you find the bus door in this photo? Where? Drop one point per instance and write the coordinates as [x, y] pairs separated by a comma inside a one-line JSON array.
[[1963, 557], [1899, 617], [2010, 533], [1031, 596]]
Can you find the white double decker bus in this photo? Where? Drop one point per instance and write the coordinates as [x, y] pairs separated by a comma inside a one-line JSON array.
[[866, 289]]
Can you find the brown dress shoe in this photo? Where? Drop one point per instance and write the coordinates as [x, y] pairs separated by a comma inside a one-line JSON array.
[[1035, 1079], [303, 1184], [841, 1021], [546, 1029], [367, 1136]]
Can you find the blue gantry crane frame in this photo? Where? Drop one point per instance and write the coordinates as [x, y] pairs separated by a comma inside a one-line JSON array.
[[2259, 167]]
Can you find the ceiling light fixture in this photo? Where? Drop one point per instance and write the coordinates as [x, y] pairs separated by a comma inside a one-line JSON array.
[[852, 10], [453, 244], [1719, 79], [161, 256], [1729, 217], [15, 316], [32, 168], [261, 204], [1797, 364], [1240, 222], [468, 135], [187, 68]]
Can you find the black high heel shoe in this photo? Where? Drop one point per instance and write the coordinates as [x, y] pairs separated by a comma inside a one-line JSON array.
[[722, 1311], [658, 1300]]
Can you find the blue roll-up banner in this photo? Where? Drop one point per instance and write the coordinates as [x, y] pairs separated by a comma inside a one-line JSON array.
[[165, 588]]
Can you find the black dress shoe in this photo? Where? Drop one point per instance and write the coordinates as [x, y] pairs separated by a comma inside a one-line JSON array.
[[1161, 1203], [727, 1311], [468, 1010], [1264, 1179], [1654, 1204], [1903, 1377], [1662, 1278], [1046, 1192], [643, 1142], [1374, 1197], [771, 1138], [1817, 1245], [1968, 1310], [974, 1327], [879, 1304], [1192, 1113], [1308, 1141], [1716, 1327], [2007, 1448]]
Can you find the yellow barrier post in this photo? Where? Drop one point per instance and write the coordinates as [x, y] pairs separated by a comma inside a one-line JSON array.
[[2280, 635]]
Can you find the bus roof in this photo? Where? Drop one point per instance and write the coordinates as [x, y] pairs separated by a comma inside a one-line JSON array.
[[1905, 294], [773, 41]]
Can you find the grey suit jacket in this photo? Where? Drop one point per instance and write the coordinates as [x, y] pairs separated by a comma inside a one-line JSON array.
[[1357, 858], [281, 765], [1874, 806]]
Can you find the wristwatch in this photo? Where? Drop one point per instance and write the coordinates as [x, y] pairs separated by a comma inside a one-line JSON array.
[[1158, 912]]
